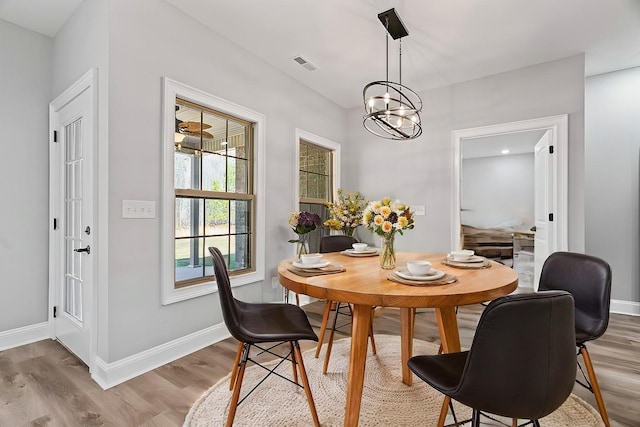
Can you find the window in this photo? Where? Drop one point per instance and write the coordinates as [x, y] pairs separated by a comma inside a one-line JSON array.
[[318, 177], [212, 149], [213, 190]]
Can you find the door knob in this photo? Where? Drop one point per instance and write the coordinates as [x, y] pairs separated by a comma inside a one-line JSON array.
[[87, 249]]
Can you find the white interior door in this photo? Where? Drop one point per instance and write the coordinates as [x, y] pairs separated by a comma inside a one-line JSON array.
[[543, 191], [72, 208]]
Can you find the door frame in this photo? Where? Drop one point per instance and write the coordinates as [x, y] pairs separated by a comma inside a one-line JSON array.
[[88, 82], [559, 138]]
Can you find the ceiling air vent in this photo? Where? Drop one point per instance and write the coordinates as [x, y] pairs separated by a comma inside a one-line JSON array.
[[305, 63]]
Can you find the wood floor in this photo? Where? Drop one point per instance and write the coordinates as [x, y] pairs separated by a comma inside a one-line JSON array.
[[42, 384]]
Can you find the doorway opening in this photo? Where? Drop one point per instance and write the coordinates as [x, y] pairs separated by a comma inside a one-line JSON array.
[[537, 217]]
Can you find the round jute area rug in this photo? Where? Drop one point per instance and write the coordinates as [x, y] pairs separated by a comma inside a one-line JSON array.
[[386, 401]]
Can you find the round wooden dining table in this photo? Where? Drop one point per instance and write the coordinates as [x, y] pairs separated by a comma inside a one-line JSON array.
[[364, 285]]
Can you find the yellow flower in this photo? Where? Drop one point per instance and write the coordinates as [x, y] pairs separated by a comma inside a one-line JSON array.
[[333, 224], [385, 211], [403, 222], [378, 220], [367, 217], [387, 226], [386, 201], [376, 205]]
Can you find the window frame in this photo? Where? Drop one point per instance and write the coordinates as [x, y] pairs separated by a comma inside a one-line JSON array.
[[171, 91], [308, 137]]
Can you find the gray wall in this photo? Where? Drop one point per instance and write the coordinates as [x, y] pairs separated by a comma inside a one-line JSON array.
[[498, 189], [142, 50], [25, 88], [421, 170], [612, 131]]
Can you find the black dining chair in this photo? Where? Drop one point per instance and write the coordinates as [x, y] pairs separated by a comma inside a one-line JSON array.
[[253, 325], [588, 279], [521, 363], [336, 243]]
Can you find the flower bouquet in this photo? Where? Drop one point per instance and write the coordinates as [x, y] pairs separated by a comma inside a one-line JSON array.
[[386, 218], [346, 212], [302, 223]]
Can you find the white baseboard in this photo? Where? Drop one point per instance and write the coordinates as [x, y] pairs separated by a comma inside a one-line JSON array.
[[24, 335], [108, 375], [631, 308]]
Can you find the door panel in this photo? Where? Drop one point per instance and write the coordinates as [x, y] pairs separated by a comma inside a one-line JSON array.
[[543, 189], [73, 284]]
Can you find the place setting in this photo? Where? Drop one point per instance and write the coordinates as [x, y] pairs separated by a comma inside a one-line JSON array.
[[309, 265], [466, 259], [361, 250], [421, 273]]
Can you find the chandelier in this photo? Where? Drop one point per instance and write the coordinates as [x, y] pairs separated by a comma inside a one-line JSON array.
[[392, 111]]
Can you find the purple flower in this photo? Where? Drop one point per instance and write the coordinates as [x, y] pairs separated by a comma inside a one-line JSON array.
[[308, 219], [304, 222]]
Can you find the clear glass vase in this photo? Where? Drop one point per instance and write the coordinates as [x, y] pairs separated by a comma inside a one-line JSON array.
[[387, 253], [302, 246]]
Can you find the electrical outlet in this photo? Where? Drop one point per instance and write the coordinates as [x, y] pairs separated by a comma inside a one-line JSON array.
[[419, 210], [141, 209]]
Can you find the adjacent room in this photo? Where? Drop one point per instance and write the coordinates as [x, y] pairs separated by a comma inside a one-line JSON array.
[[423, 201]]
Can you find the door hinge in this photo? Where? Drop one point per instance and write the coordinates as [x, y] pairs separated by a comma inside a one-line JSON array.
[[55, 311], [550, 217], [55, 223], [55, 136], [551, 149]]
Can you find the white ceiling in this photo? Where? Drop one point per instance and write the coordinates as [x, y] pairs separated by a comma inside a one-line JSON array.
[[449, 40], [42, 16]]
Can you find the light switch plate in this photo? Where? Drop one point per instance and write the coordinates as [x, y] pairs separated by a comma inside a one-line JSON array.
[[140, 209], [419, 210]]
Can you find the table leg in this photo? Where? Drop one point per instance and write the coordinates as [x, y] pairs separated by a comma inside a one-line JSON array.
[[450, 337], [407, 321], [357, 362], [448, 327]]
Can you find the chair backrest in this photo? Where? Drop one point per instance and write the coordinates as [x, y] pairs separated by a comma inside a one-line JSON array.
[[588, 279], [337, 243], [522, 362], [230, 309]]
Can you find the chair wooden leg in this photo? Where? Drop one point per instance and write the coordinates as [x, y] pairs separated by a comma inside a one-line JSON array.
[[238, 385], [323, 325], [594, 385], [234, 372], [373, 341], [514, 422], [305, 383], [330, 343], [293, 362], [443, 411]]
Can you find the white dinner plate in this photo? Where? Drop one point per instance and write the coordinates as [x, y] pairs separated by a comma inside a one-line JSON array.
[[314, 265], [432, 275], [366, 251], [474, 258]]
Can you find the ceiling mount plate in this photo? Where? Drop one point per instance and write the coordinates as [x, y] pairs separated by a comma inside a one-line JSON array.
[[396, 27]]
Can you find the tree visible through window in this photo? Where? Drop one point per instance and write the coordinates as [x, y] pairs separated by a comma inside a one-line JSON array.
[[214, 200]]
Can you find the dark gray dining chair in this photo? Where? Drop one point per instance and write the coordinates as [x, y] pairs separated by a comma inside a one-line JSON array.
[[588, 279], [253, 325], [521, 363]]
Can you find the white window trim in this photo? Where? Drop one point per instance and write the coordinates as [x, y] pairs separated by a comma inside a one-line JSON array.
[[322, 142], [173, 90]]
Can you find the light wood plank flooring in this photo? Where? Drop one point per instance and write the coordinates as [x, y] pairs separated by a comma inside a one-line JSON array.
[[42, 384]]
